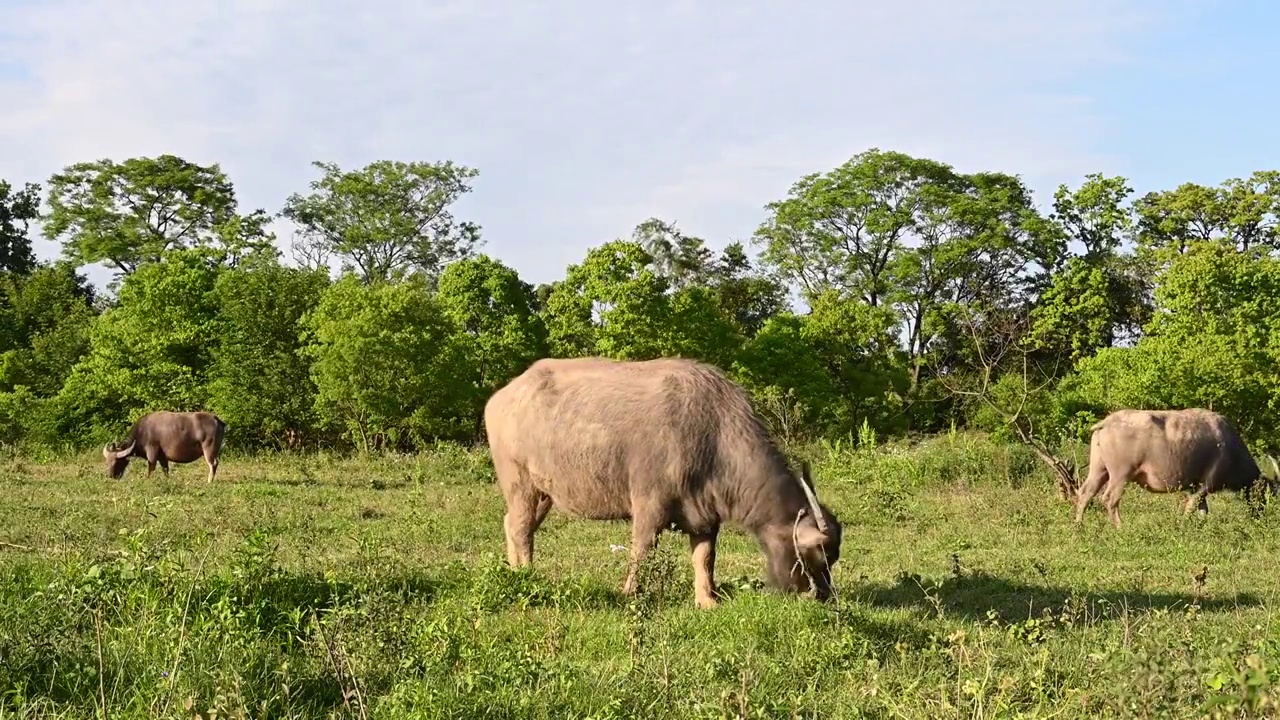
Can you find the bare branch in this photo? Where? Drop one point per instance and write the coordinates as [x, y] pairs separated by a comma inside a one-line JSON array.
[[1015, 417]]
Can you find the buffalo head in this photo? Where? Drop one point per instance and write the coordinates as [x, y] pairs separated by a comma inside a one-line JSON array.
[[803, 553], [117, 459], [1263, 485]]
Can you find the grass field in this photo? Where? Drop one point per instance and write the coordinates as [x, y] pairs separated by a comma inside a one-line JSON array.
[[316, 587]]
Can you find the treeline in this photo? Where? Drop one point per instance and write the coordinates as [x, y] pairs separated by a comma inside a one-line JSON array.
[[929, 299]]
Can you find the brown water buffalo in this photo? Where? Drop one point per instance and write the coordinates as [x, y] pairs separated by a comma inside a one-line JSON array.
[[164, 437], [662, 443], [1163, 451]]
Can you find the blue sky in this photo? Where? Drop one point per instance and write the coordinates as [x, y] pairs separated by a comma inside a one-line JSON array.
[[584, 118]]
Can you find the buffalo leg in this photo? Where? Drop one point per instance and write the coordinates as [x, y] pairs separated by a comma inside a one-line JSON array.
[[525, 512], [211, 459], [1112, 495], [644, 535], [164, 465], [522, 506], [518, 523], [544, 506], [152, 456], [1097, 477], [703, 551]]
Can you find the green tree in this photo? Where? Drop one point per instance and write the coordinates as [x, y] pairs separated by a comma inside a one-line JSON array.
[[387, 364], [787, 377], [840, 364], [914, 235], [699, 328], [854, 342], [1104, 279], [44, 322], [1240, 212], [17, 210], [1095, 215], [152, 351], [44, 318], [841, 230], [259, 381], [1214, 341], [684, 260], [386, 218], [1074, 318], [130, 213], [981, 248], [494, 310], [748, 297], [612, 304]]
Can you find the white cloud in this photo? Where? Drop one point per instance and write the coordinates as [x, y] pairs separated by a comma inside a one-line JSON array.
[[582, 117]]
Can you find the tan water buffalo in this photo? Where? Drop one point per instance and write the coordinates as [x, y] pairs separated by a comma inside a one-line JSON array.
[[164, 437], [666, 442], [1193, 450]]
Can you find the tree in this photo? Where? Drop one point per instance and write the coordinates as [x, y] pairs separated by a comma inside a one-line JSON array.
[[854, 342], [747, 297], [841, 230], [788, 379], [17, 210], [387, 363], [980, 247], [682, 259], [1095, 216], [131, 213], [915, 235], [259, 381], [494, 311], [1213, 341], [699, 328], [46, 316], [1005, 391], [1074, 317], [387, 217], [152, 351], [613, 304], [1241, 213], [44, 331]]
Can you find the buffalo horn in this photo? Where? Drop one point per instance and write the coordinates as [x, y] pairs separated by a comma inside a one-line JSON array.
[[805, 483], [108, 451]]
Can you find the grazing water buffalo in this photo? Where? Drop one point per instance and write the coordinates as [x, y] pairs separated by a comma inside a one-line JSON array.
[[668, 442], [164, 437], [1166, 451]]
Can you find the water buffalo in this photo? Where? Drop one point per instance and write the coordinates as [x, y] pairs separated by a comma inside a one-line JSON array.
[[1165, 451], [164, 437], [663, 443]]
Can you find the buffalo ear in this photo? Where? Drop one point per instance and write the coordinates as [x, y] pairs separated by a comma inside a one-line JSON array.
[[809, 536]]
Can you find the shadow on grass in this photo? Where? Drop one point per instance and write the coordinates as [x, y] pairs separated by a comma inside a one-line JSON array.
[[976, 595]]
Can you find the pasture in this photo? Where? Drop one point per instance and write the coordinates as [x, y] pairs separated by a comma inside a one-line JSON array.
[[313, 586]]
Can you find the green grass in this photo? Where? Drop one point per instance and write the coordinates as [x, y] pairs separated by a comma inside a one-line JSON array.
[[315, 587]]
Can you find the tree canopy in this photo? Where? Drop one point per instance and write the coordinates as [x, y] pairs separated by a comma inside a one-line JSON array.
[[927, 297]]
